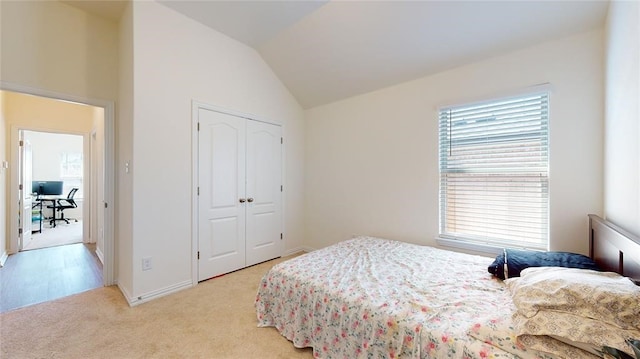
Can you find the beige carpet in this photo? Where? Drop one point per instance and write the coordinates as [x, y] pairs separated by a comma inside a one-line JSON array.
[[216, 319], [62, 235]]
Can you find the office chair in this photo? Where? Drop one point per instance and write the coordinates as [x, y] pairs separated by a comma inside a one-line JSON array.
[[61, 205]]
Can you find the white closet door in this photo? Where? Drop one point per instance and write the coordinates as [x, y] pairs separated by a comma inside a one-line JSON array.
[[264, 196], [221, 179]]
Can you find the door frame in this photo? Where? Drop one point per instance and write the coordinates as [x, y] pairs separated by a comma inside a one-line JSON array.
[[195, 164], [25, 155], [17, 133], [108, 267]]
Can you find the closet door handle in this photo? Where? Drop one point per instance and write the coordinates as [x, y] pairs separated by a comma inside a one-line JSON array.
[[249, 199], [242, 200]]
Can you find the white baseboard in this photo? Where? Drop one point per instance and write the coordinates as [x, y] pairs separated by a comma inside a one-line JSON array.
[[3, 258], [297, 250], [100, 255], [133, 301]]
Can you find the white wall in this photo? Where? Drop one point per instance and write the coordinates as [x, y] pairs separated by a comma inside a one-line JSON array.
[[372, 160], [4, 185], [124, 144], [47, 148], [177, 60], [52, 46], [622, 118], [45, 114]]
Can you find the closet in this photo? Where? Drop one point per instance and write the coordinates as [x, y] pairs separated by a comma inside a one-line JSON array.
[[239, 192]]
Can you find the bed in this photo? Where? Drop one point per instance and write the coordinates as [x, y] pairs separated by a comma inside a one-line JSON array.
[[377, 298]]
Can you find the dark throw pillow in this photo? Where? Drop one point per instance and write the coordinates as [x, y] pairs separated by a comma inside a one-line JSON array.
[[511, 262]]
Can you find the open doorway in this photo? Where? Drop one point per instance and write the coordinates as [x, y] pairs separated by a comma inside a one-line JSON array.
[[53, 168], [81, 159]]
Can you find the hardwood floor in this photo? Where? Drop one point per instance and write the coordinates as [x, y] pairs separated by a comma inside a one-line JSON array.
[[41, 275]]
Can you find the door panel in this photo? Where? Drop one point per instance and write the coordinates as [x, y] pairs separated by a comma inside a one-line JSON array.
[[264, 178], [223, 228], [221, 176], [26, 164]]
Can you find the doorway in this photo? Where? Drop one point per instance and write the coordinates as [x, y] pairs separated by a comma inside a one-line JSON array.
[[52, 170], [98, 143]]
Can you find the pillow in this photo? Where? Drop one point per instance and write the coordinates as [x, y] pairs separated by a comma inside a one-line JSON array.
[[602, 296], [588, 334], [556, 347], [499, 331], [635, 345], [511, 262]]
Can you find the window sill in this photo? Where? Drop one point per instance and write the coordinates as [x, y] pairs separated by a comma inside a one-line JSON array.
[[481, 249]]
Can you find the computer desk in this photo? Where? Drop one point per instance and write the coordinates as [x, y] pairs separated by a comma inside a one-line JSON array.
[[54, 202]]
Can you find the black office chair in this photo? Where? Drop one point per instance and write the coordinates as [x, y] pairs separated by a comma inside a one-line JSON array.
[[61, 205]]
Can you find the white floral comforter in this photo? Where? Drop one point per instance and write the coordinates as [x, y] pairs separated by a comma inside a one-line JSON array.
[[375, 298]]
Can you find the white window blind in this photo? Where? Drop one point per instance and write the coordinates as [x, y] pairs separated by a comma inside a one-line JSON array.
[[494, 177]]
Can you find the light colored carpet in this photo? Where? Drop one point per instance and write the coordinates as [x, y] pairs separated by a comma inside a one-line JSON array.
[[215, 319], [62, 235]]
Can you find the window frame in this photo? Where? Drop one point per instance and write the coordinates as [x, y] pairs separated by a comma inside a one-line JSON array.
[[71, 179], [494, 245]]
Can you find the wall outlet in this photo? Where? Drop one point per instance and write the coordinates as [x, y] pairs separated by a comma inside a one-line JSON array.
[[146, 263]]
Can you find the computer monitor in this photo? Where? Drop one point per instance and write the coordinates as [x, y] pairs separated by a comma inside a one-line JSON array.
[[47, 188], [36, 187]]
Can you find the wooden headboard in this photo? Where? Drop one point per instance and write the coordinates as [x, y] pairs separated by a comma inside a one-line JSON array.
[[613, 248]]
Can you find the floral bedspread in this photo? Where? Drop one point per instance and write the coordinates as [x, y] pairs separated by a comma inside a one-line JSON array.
[[376, 298]]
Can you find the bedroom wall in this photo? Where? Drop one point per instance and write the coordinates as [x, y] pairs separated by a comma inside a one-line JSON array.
[[372, 160], [622, 116], [177, 60], [124, 153], [52, 46]]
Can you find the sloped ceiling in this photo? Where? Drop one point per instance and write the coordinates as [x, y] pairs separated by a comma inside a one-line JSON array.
[[108, 9], [325, 51]]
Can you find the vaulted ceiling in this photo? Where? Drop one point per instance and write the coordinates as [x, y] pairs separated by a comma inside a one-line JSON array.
[[325, 51]]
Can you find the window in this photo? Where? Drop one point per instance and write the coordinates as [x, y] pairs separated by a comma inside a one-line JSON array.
[[71, 170], [494, 173]]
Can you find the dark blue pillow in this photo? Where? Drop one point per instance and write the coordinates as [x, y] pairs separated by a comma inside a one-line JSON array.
[[517, 260]]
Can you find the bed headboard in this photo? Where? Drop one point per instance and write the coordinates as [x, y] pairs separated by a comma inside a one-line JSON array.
[[613, 248]]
